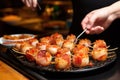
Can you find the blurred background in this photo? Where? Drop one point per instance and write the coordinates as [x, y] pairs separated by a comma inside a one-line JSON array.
[[54, 16]]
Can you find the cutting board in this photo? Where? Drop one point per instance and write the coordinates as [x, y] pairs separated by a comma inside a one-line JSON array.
[[8, 73]]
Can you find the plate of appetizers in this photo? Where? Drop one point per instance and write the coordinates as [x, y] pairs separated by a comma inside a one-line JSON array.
[[57, 54], [12, 39]]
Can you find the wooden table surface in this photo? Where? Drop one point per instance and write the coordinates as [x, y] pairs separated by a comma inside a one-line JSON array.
[[8, 73]]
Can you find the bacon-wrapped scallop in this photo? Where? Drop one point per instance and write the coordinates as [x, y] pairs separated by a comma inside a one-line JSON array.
[[86, 42], [100, 54], [31, 54], [99, 44], [81, 49], [24, 47], [68, 44], [57, 39], [56, 36], [43, 58], [80, 60], [53, 49], [33, 42], [63, 59], [42, 45], [100, 51], [71, 38], [46, 39], [80, 56]]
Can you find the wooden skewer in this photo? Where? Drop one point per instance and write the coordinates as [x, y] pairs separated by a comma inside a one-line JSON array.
[[80, 35], [111, 52], [90, 46], [108, 46], [20, 57], [111, 56], [112, 49], [52, 62], [39, 6]]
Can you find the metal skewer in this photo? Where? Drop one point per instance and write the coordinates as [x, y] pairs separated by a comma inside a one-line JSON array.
[[38, 5]]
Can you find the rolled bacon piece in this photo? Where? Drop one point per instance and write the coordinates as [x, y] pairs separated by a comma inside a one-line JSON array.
[[99, 44], [80, 56], [86, 42], [100, 51], [43, 58], [63, 59], [31, 54], [53, 49], [100, 54]]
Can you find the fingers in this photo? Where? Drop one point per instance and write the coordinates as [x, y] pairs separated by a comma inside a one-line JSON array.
[[95, 30], [26, 3], [92, 20], [30, 3], [92, 24], [87, 22], [34, 3]]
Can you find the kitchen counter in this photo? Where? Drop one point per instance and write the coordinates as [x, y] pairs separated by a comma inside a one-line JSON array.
[[9, 73]]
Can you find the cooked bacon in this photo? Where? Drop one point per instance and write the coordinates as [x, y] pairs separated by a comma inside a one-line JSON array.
[[43, 58], [56, 36], [63, 53], [41, 45], [33, 42], [100, 51], [76, 60], [68, 44], [80, 61], [52, 49], [57, 39], [100, 54], [24, 47], [71, 38], [18, 46], [81, 49], [80, 57], [63, 59], [85, 42], [99, 44], [46, 39], [29, 43], [31, 54]]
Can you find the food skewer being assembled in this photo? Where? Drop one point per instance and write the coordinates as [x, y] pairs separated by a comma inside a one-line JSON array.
[[63, 59], [43, 58], [23, 47], [68, 44], [53, 49], [80, 56], [100, 51], [86, 42], [31, 54], [57, 39]]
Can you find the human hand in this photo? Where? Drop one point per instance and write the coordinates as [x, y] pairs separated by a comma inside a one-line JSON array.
[[30, 3], [97, 21]]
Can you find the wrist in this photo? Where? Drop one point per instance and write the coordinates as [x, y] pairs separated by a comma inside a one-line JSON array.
[[114, 10]]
